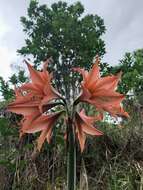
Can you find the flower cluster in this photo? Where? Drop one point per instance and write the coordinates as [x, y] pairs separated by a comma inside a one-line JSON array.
[[34, 99], [100, 91]]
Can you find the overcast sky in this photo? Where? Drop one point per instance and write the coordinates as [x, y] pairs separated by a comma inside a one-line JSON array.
[[123, 20]]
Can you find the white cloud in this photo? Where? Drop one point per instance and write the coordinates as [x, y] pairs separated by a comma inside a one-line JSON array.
[[8, 48], [7, 57], [3, 29]]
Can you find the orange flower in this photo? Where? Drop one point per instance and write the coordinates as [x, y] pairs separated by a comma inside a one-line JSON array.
[[34, 95], [84, 125], [100, 91], [34, 120], [24, 104], [27, 121], [44, 123], [41, 84], [32, 100]]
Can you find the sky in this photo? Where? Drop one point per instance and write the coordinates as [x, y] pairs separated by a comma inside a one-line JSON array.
[[123, 20]]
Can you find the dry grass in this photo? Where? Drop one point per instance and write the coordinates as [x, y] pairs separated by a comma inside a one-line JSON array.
[[112, 162]]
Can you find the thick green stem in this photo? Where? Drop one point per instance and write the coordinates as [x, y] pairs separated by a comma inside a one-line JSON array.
[[71, 160]]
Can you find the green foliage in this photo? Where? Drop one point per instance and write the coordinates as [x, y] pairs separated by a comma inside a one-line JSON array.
[[117, 156], [132, 67], [124, 176], [18, 78], [5, 89], [6, 155], [5, 129], [62, 31]]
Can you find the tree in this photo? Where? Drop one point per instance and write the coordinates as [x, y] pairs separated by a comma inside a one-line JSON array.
[[132, 67], [5, 91], [64, 33], [5, 86]]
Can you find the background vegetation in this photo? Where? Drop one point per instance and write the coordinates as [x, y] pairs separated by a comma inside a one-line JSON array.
[[111, 162]]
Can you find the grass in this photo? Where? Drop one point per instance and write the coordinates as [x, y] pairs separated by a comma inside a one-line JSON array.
[[112, 162]]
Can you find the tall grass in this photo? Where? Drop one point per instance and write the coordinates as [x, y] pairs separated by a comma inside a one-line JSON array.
[[111, 162]]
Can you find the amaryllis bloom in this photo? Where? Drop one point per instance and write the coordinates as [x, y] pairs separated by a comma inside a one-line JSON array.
[[24, 104], [34, 95], [43, 123], [101, 91], [40, 84], [35, 98], [32, 100], [84, 125]]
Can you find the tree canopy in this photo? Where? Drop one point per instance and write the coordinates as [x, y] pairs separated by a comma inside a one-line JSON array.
[[132, 68], [64, 33]]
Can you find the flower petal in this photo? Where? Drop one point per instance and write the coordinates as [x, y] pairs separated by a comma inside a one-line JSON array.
[[46, 133], [86, 125], [91, 130], [43, 122], [27, 121], [81, 136], [23, 109], [83, 127], [34, 75], [107, 83], [93, 75], [90, 119], [36, 89]]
